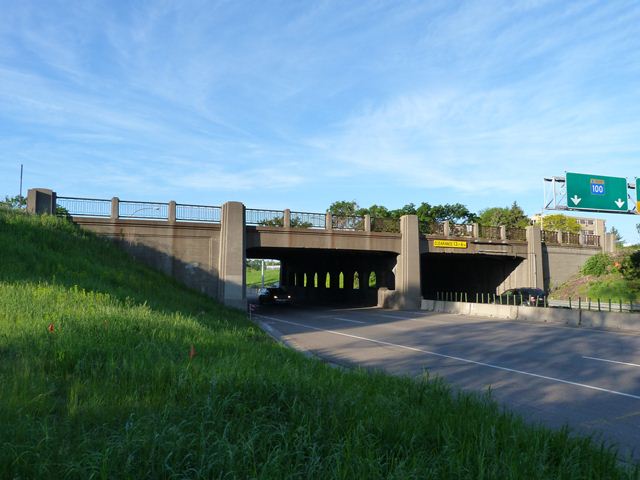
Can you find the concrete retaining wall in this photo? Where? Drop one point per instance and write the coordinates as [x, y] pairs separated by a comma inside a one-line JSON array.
[[561, 316]]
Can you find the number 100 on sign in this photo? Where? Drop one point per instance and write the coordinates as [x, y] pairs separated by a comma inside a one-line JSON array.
[[597, 186]]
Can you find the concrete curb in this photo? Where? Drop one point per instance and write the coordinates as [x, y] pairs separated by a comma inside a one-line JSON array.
[[562, 316]]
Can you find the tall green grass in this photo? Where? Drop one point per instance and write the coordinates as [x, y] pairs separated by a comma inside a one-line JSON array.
[[114, 390]]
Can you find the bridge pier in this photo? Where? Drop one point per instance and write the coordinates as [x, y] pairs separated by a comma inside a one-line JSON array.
[[231, 266]]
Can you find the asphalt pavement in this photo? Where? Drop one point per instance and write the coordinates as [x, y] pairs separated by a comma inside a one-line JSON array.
[[586, 378]]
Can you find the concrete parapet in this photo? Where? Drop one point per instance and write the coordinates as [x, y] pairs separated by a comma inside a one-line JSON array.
[[408, 282], [428, 305], [41, 201], [549, 315]]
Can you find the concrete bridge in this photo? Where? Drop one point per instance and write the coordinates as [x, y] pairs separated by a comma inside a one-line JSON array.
[[325, 258]]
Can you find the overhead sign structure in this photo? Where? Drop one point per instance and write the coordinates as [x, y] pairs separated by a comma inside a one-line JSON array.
[[596, 192], [637, 195]]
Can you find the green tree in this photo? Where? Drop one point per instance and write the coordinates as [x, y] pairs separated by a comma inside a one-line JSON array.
[[617, 236], [560, 223], [511, 217], [344, 208], [17, 202]]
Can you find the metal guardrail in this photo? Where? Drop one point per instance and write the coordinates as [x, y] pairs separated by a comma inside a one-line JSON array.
[[198, 213], [143, 210], [390, 225], [308, 220], [270, 218], [354, 223], [85, 207], [597, 305]]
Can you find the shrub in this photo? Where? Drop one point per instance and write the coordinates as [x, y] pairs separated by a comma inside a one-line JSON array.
[[597, 265]]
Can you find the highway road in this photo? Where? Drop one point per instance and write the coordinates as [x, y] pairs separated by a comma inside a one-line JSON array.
[[555, 375]]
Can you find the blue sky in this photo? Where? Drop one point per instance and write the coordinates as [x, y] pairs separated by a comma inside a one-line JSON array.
[[298, 104]]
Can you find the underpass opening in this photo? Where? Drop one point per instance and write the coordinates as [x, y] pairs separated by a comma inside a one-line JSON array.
[[331, 277], [469, 274]]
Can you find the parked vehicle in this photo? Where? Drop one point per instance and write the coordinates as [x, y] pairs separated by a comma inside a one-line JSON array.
[[533, 297], [274, 295]]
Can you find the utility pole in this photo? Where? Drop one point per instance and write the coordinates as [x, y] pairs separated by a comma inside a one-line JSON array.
[[21, 169]]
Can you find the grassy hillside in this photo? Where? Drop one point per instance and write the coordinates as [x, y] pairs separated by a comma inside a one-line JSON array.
[[254, 277], [111, 370], [606, 276]]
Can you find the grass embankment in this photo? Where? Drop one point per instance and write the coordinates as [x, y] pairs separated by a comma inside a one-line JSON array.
[[97, 382], [254, 277], [614, 277]]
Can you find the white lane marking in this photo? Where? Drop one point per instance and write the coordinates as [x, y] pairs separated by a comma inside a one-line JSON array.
[[451, 357], [347, 320], [611, 361], [397, 317]]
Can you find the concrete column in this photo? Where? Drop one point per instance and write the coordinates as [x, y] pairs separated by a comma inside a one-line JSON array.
[[171, 217], [231, 271], [503, 232], [328, 223], [367, 223], [534, 257], [348, 279], [41, 201], [115, 208], [408, 266], [299, 279], [559, 235], [446, 227], [476, 230], [287, 218], [581, 238]]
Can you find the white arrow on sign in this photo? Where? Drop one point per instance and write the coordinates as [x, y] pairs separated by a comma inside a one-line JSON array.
[[576, 199], [620, 203]]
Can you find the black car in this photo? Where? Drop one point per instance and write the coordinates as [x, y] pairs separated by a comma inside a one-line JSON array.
[[274, 295], [529, 296]]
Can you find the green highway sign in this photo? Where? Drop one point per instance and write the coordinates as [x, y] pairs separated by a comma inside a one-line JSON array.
[[596, 192]]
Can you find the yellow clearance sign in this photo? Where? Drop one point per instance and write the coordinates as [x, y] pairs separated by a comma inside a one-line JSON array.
[[450, 243]]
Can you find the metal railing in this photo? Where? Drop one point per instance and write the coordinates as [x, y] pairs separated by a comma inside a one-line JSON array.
[[431, 228], [391, 225], [270, 218], [198, 213], [549, 236], [461, 230], [592, 240], [354, 223], [491, 233], [519, 234], [569, 238], [143, 210], [308, 220], [85, 207]]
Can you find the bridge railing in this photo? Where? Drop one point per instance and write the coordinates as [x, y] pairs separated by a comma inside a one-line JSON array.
[[518, 234], [198, 213], [569, 238], [550, 237], [268, 218], [143, 210], [491, 233], [85, 207], [461, 230], [592, 240], [390, 225], [431, 228], [308, 220], [354, 223]]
